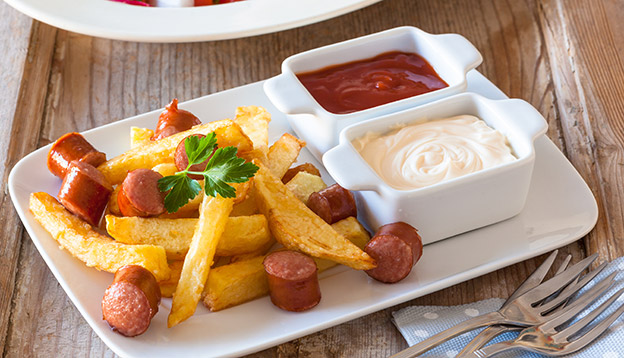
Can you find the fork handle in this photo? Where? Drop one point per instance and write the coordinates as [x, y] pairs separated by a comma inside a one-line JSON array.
[[463, 327], [483, 337], [492, 349]]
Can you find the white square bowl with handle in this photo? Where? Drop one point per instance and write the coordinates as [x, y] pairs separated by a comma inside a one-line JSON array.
[[450, 55], [457, 205]]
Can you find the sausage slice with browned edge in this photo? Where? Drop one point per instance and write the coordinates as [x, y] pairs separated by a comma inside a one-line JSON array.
[[293, 280], [173, 120], [70, 147], [131, 301], [85, 192], [396, 247], [139, 194], [181, 159], [333, 203]]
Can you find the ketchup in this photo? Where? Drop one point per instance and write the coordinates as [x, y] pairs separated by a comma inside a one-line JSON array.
[[359, 85]]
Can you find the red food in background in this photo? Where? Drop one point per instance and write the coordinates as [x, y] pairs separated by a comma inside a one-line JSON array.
[[213, 2], [132, 2]]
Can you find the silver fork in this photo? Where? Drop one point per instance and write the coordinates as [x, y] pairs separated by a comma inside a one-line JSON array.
[[522, 311], [547, 339], [490, 332]]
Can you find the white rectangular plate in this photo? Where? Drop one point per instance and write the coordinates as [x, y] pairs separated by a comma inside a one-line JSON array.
[[560, 209]]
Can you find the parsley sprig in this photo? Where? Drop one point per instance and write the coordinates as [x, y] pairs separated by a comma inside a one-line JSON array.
[[223, 167]]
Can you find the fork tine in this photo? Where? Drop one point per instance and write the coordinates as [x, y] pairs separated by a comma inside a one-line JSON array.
[[556, 283], [579, 304], [537, 276], [578, 325], [599, 328], [571, 289], [564, 264]]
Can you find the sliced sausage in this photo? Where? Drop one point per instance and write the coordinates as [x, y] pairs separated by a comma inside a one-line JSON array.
[[333, 204], [396, 247], [293, 280], [181, 159], [70, 147], [139, 194], [85, 192], [131, 301], [173, 120], [305, 167]]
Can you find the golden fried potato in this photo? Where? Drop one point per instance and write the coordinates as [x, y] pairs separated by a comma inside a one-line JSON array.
[[113, 206], [353, 231], [247, 206], [255, 123], [245, 280], [168, 287], [303, 184], [305, 167], [165, 169], [283, 153], [161, 151], [213, 216], [140, 136], [91, 247], [243, 234], [298, 228], [236, 283]]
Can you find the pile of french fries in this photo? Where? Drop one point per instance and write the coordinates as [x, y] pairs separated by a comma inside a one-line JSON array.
[[181, 248]]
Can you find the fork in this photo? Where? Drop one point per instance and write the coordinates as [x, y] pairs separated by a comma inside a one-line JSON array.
[[490, 332], [523, 310], [547, 339]]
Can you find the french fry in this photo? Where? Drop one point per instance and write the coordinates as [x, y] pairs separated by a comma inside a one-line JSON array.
[[303, 184], [168, 287], [113, 206], [213, 215], [236, 283], [353, 231], [140, 136], [255, 123], [298, 228], [161, 151], [247, 206], [283, 153], [243, 234], [245, 280], [91, 247], [165, 169]]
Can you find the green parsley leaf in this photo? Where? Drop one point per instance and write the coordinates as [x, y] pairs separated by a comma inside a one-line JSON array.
[[181, 189], [199, 149], [224, 167]]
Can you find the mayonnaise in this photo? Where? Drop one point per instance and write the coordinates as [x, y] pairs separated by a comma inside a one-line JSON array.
[[423, 154]]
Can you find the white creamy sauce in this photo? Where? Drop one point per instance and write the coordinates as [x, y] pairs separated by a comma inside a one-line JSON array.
[[423, 154]]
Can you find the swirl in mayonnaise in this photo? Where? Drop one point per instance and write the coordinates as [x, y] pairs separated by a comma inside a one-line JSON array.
[[427, 153]]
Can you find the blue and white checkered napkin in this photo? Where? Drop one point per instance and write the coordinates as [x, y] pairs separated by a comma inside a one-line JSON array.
[[419, 322]]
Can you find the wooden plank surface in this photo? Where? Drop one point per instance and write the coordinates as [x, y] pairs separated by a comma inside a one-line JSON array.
[[563, 56]]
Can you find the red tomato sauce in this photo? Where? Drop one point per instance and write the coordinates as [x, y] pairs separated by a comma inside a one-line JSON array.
[[359, 85]]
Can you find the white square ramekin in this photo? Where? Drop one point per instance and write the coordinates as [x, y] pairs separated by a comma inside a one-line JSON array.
[[450, 55], [457, 205]]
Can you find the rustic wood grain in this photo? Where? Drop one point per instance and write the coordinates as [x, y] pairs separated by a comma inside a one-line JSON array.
[[22, 69], [562, 56], [583, 42]]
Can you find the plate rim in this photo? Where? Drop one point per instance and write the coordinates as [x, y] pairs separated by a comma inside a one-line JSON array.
[[63, 15]]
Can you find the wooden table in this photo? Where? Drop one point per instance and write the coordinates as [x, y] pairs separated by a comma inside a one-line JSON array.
[[566, 57]]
